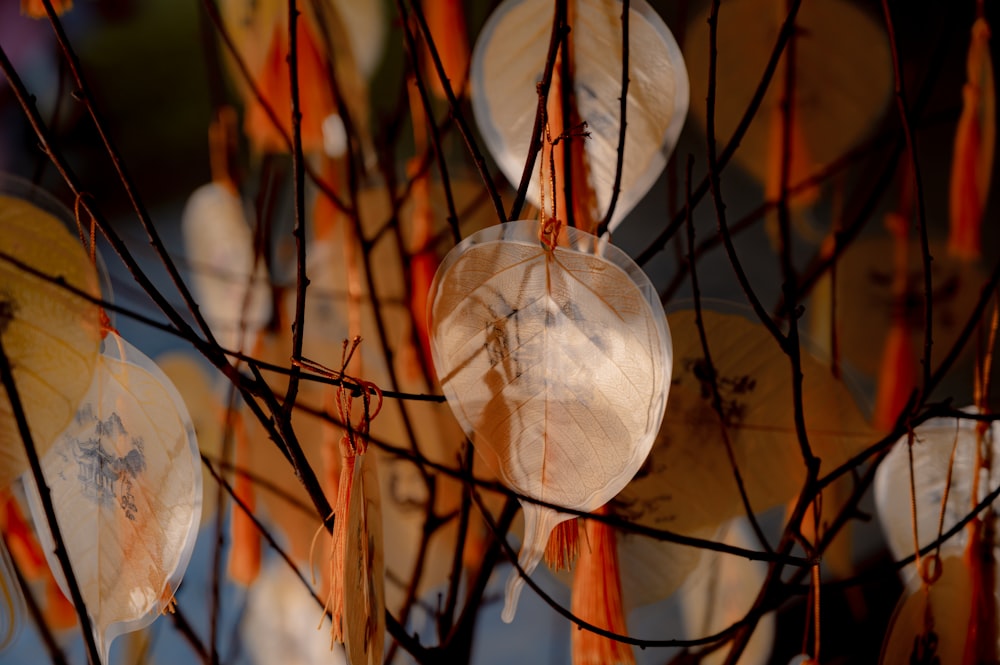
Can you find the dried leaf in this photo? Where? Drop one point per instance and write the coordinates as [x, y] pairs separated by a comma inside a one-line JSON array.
[[556, 362], [50, 336], [126, 485], [507, 63]]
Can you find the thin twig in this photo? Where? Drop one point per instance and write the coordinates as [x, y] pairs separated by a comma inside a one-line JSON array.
[[86, 96], [622, 124], [710, 366], [722, 160]]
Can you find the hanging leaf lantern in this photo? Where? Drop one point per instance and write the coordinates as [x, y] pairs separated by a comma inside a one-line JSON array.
[[125, 482], [507, 64], [50, 335], [230, 280], [930, 622], [933, 443], [843, 81], [689, 483], [556, 362]]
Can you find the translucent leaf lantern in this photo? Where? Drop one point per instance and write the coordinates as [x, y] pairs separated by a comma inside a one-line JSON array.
[[689, 483], [931, 624], [194, 384], [556, 362], [507, 64], [125, 482], [219, 244], [279, 625], [843, 81], [866, 301], [50, 336], [721, 591], [932, 449]]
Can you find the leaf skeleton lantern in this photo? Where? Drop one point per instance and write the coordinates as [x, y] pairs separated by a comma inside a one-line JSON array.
[[125, 482], [507, 64], [50, 335], [556, 361]]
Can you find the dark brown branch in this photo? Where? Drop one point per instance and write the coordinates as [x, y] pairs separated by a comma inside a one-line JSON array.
[[710, 366]]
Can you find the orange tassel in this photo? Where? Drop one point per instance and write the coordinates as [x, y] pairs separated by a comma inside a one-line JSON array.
[[245, 553], [597, 598], [21, 541], [36, 8], [335, 602], [981, 638], [570, 145], [446, 22], [801, 165], [326, 215], [898, 372], [423, 262], [563, 547], [972, 161], [59, 612], [897, 376], [316, 100]]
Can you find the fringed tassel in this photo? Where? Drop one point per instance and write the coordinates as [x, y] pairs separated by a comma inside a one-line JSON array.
[[335, 600], [564, 545], [245, 552], [972, 161], [597, 598]]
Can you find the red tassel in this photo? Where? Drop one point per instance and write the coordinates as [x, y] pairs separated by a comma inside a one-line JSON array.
[[597, 598]]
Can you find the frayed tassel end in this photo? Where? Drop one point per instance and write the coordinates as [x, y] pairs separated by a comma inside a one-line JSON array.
[[597, 599]]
